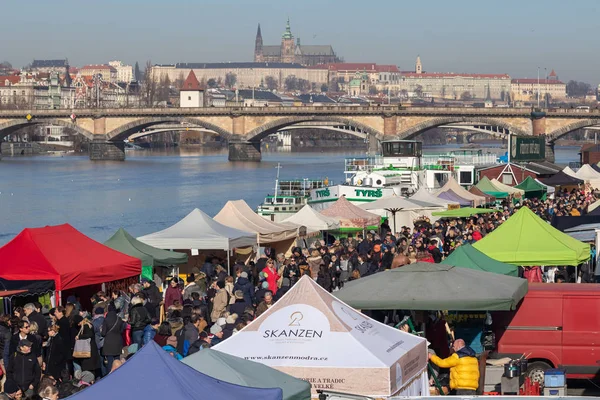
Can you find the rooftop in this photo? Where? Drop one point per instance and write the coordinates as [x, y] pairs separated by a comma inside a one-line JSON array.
[[454, 75], [191, 83], [98, 66], [530, 81], [232, 65], [49, 63], [369, 67]]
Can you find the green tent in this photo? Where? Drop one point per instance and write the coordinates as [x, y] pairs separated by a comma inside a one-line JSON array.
[[463, 212], [427, 286], [467, 256], [486, 186], [525, 239], [151, 256], [532, 188], [243, 372]]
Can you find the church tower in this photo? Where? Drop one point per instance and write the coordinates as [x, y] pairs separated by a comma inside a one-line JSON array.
[[418, 66], [288, 46], [258, 47]]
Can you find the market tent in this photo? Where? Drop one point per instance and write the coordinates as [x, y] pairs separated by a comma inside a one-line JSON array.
[[525, 239], [593, 206], [570, 172], [532, 188], [351, 217], [562, 179], [423, 195], [155, 374], [463, 212], [451, 195], [427, 286], [311, 335], [64, 255], [596, 167], [583, 232], [237, 214], [313, 220], [151, 256], [395, 204], [589, 174], [486, 186], [228, 368], [508, 189], [467, 256], [199, 231], [489, 197], [549, 189], [453, 185]]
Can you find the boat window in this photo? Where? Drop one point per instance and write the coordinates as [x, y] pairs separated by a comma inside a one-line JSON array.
[[268, 200], [289, 201], [402, 149], [465, 177]]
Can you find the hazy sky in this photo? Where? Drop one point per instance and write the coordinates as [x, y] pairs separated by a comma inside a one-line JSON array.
[[508, 36]]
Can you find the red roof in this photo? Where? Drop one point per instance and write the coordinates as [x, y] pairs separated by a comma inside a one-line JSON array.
[[191, 82], [13, 79], [528, 81], [65, 255], [454, 75], [552, 73], [370, 67]]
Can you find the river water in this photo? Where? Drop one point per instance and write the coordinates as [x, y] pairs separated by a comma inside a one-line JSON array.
[[152, 189]]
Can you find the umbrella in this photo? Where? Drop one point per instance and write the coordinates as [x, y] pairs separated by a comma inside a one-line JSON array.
[[394, 204], [427, 286]]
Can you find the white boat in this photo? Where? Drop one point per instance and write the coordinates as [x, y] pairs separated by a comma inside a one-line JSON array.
[[401, 169], [289, 197]]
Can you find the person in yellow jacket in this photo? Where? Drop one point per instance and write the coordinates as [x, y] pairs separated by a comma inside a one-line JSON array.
[[464, 368]]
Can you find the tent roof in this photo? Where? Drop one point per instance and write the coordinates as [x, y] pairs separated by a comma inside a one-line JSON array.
[[485, 185], [567, 170], [349, 215], [455, 198], [467, 256], [529, 184], [199, 231], [151, 256], [155, 374], [462, 212], [461, 191], [237, 214], [428, 286], [562, 179], [329, 328], [63, 254], [423, 195], [313, 220], [397, 203], [583, 232], [505, 188], [549, 189], [525, 239], [228, 368], [589, 174], [489, 197]]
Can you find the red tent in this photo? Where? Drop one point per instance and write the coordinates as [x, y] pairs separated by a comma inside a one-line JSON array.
[[63, 254]]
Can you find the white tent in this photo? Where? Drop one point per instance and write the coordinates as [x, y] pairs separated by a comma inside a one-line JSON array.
[[199, 231], [238, 214], [508, 189], [312, 335], [402, 210], [589, 175], [453, 185], [312, 220], [549, 189], [570, 172], [423, 195]]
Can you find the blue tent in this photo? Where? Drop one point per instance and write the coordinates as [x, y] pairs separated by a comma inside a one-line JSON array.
[[152, 374]]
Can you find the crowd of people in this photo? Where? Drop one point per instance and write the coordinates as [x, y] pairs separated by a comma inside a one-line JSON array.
[[54, 353]]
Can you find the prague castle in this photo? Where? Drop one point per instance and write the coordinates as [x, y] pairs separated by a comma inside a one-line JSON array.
[[291, 51]]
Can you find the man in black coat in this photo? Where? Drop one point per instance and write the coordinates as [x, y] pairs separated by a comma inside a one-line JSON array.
[[113, 340], [34, 316], [24, 369], [151, 291], [22, 334], [64, 331]]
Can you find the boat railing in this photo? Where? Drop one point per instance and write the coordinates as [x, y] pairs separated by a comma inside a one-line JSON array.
[[362, 164], [459, 159]]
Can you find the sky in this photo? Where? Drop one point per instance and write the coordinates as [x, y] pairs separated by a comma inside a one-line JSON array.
[[508, 36]]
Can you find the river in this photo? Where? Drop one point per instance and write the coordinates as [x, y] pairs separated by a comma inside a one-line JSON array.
[[152, 189]]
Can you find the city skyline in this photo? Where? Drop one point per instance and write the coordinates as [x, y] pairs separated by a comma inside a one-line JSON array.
[[513, 37]]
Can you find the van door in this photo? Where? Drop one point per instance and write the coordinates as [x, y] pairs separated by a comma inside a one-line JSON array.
[[581, 331]]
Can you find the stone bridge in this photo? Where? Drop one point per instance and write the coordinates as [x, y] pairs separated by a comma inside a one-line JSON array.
[[244, 128]]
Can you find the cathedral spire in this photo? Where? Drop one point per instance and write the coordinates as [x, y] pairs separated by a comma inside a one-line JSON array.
[[288, 31], [258, 46]]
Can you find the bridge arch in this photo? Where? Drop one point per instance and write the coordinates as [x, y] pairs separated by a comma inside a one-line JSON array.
[[10, 127], [126, 130], [259, 133], [565, 130], [415, 130]]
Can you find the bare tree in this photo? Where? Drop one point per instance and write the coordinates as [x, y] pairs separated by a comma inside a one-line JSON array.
[[291, 83], [211, 83], [230, 80], [271, 82], [419, 91], [179, 81], [149, 85], [466, 96]]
